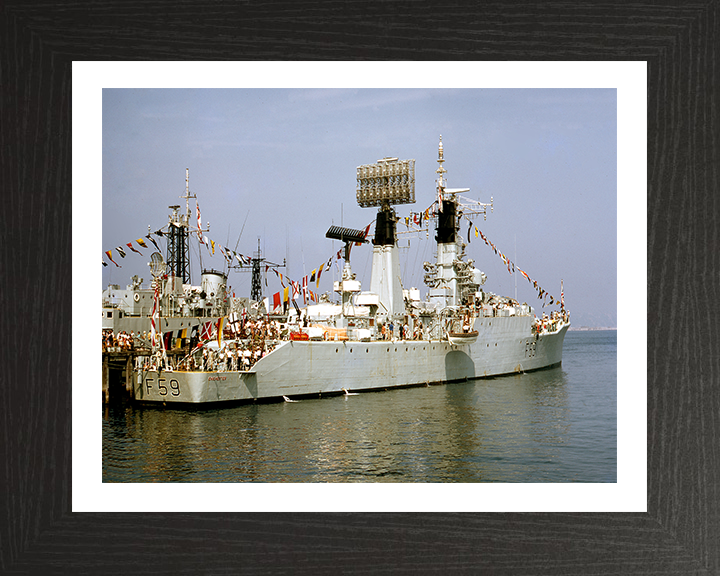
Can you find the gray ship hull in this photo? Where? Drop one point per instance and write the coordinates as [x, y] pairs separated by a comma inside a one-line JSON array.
[[302, 368]]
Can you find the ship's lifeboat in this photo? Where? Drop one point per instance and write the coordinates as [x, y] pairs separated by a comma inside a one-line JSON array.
[[460, 338]]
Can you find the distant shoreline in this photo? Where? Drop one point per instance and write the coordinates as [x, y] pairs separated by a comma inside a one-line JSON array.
[[588, 328]]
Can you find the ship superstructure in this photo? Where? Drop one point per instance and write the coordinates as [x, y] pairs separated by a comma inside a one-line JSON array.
[[382, 338], [179, 305]]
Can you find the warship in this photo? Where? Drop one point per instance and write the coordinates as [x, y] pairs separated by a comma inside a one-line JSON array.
[[382, 338], [178, 305]]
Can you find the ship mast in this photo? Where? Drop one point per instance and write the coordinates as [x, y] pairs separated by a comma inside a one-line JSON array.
[[388, 182], [451, 278], [178, 236], [187, 222], [440, 171]]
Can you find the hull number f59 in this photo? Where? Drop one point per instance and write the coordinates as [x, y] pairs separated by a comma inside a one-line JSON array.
[[172, 388]]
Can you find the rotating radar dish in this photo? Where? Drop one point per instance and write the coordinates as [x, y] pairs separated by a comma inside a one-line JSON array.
[[157, 264]]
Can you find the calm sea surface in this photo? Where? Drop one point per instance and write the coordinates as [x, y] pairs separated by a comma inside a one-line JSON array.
[[554, 425]]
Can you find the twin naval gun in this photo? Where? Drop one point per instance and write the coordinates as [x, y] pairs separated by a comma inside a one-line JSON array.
[[380, 339]]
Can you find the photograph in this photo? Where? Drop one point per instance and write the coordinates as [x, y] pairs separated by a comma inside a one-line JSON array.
[[359, 285]]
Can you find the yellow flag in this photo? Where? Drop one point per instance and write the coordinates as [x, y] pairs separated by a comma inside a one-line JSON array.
[[181, 337], [220, 323]]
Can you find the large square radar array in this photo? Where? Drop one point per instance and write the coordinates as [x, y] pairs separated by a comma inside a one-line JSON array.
[[389, 179]]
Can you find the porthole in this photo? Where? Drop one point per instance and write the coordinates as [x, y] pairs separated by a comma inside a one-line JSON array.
[[366, 350], [336, 350]]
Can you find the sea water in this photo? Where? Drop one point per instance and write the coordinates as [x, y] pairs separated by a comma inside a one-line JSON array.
[[554, 425]]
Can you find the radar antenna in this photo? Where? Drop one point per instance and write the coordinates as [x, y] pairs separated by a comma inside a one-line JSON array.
[[157, 265]]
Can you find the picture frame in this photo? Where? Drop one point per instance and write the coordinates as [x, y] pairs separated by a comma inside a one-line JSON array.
[[38, 531]]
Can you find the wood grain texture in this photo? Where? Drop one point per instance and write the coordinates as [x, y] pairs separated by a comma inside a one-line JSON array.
[[680, 534]]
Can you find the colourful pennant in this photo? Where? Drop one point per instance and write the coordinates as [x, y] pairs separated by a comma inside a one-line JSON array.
[[109, 255]]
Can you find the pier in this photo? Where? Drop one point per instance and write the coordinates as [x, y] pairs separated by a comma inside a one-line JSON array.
[[117, 371]]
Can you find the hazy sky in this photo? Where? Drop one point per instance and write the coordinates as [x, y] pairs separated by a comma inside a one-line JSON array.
[[286, 159]]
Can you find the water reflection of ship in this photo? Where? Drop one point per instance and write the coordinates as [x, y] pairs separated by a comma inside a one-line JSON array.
[[510, 429], [501, 421]]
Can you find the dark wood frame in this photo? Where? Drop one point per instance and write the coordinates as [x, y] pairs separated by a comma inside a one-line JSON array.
[[681, 530]]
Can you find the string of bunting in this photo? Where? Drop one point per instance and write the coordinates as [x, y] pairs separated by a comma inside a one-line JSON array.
[[295, 289], [542, 293], [140, 242], [417, 218], [299, 288]]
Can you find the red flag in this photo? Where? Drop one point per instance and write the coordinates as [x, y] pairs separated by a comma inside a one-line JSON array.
[[276, 300], [129, 245]]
